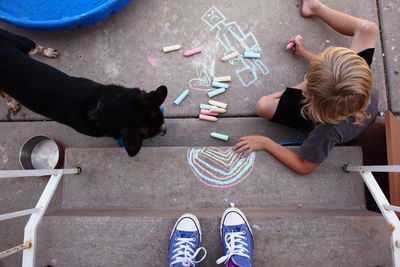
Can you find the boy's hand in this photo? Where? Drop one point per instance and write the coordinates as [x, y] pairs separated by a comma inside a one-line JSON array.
[[298, 48], [250, 143]]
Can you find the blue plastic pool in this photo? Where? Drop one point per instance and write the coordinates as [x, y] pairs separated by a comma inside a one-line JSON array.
[[57, 14]]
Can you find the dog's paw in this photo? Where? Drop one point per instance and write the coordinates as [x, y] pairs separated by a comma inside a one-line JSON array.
[[50, 52], [13, 106]]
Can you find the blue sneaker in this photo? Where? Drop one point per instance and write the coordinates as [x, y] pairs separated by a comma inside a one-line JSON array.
[[237, 239], [184, 243]]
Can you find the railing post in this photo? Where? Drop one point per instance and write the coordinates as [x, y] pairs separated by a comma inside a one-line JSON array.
[[389, 215], [28, 259]]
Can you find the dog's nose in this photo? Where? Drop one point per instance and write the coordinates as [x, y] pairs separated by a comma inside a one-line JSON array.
[[163, 130]]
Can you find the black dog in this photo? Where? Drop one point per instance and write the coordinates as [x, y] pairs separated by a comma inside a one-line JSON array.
[[88, 107]]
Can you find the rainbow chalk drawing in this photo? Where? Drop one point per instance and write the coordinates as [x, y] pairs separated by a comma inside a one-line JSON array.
[[232, 38], [220, 167]]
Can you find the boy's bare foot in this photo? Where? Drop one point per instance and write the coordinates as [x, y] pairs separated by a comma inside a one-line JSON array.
[[309, 7]]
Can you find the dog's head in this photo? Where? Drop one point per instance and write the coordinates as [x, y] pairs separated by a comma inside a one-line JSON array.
[[131, 115], [149, 122]]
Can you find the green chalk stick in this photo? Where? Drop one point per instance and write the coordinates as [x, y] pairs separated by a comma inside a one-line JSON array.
[[216, 92], [205, 106]]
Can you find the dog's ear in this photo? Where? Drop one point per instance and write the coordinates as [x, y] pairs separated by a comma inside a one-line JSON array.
[[155, 98], [132, 140]]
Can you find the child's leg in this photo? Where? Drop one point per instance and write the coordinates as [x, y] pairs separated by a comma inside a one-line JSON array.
[[364, 32], [266, 105]]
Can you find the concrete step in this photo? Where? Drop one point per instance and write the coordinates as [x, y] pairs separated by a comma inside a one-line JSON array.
[[285, 237], [161, 178], [181, 132]]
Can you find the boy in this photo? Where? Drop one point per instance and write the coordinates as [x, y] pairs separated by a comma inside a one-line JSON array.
[[335, 102]]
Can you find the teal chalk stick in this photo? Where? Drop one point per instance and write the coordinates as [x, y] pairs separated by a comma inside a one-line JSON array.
[[205, 106], [219, 136], [182, 97], [251, 55], [216, 92], [220, 85]]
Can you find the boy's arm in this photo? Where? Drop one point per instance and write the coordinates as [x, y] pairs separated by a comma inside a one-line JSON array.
[[300, 50], [286, 156]]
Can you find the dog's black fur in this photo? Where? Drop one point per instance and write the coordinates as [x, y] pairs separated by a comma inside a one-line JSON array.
[[88, 107]]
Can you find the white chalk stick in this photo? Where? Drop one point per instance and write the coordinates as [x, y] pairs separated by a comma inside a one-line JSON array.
[[218, 110], [230, 56], [217, 104], [171, 48], [207, 118]]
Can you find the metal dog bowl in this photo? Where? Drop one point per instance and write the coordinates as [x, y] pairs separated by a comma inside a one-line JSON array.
[[41, 152]]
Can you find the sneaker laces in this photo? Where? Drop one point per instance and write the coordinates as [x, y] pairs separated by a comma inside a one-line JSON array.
[[236, 246], [185, 254]]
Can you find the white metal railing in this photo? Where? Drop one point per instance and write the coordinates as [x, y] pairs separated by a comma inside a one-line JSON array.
[[29, 245], [387, 210]]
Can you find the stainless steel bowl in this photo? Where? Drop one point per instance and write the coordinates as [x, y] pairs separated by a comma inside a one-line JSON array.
[[41, 152]]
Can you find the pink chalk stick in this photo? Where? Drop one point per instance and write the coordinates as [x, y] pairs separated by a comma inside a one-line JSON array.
[[207, 112], [207, 118], [291, 44], [192, 52]]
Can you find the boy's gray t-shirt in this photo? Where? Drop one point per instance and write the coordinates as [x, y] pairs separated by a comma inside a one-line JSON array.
[[324, 136]]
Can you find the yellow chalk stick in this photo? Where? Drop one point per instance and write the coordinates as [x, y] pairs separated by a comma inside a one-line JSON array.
[[217, 104], [167, 49], [222, 79]]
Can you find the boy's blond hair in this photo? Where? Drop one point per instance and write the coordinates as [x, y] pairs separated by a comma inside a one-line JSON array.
[[339, 86]]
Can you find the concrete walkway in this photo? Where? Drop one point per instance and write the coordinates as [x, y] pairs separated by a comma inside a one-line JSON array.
[[126, 49]]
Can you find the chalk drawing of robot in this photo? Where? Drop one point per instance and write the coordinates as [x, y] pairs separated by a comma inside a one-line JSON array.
[[232, 38]]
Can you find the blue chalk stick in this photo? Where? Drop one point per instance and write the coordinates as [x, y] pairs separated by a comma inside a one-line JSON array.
[[182, 97], [219, 136], [220, 85], [251, 55], [162, 110]]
